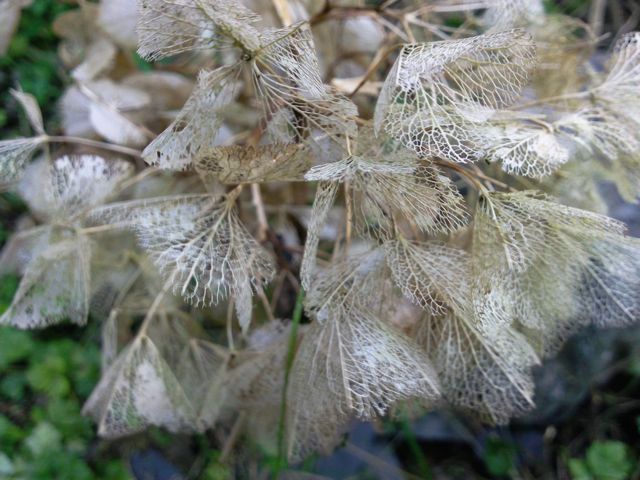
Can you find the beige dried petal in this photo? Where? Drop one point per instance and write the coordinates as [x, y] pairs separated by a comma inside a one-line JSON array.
[[200, 245], [9, 19], [196, 127], [31, 108], [110, 124], [490, 375], [99, 57], [118, 18], [14, 155], [248, 164], [55, 287], [436, 93], [137, 391], [169, 27], [169, 90], [74, 110]]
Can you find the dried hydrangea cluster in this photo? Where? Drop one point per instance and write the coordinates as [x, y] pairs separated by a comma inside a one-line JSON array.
[[401, 239]]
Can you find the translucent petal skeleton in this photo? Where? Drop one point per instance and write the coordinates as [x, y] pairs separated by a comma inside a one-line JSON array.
[[24, 245], [200, 245], [200, 366], [14, 155], [558, 267], [476, 321], [504, 14], [195, 128], [623, 78], [203, 372], [246, 164], [297, 106], [437, 93], [137, 391], [607, 127], [529, 150], [489, 375], [73, 185], [55, 287], [255, 384], [366, 362], [169, 27], [429, 274], [353, 360], [390, 187], [325, 196], [485, 372]]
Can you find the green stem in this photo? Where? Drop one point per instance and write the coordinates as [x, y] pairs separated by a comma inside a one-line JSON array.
[[291, 351], [416, 450]]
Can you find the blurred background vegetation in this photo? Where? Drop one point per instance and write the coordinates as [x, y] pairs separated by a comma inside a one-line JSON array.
[[586, 426]]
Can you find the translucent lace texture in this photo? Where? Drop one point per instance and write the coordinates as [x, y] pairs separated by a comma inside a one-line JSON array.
[[353, 362], [200, 246], [559, 268], [391, 190], [297, 109], [437, 93]]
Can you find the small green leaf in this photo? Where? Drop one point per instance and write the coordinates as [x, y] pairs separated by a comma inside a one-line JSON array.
[[216, 470], [13, 386], [59, 464], [609, 460], [499, 456], [10, 433], [579, 470], [65, 415], [115, 470], [44, 438], [15, 345], [48, 376], [8, 287]]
